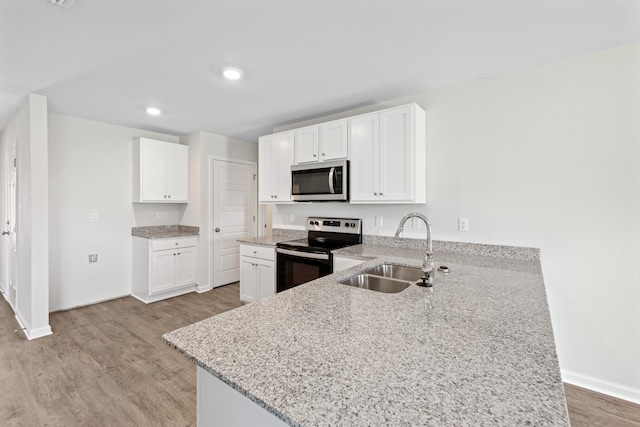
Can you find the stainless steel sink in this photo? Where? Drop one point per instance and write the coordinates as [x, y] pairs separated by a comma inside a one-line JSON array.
[[376, 283], [388, 278], [395, 271]]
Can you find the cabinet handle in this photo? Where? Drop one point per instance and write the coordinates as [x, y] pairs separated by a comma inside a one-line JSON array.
[[169, 196], [323, 154], [178, 253], [165, 196], [381, 194], [217, 230], [315, 155], [375, 194], [174, 254]]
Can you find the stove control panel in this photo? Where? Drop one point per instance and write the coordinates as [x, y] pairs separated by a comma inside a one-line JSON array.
[[339, 225]]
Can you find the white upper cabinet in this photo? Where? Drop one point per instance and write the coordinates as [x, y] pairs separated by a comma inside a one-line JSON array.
[[386, 149], [318, 143], [275, 157], [388, 156], [160, 171], [306, 145]]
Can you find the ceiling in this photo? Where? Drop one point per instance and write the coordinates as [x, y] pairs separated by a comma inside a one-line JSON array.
[[107, 60]]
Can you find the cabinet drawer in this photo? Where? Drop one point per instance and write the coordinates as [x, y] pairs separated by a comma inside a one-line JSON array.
[[172, 243], [262, 252]]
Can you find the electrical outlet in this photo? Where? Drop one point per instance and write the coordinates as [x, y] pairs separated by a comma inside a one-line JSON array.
[[158, 215], [94, 217], [416, 222], [463, 224], [93, 257], [379, 221]]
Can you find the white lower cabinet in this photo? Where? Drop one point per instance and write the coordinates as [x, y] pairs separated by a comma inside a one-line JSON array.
[[164, 268], [257, 272]]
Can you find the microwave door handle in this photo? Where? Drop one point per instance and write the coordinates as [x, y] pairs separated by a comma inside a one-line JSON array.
[[332, 172]]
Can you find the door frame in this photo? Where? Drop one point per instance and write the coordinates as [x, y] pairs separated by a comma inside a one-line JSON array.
[[8, 287], [210, 189]]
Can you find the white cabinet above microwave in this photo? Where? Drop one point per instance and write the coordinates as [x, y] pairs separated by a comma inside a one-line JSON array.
[[323, 142]]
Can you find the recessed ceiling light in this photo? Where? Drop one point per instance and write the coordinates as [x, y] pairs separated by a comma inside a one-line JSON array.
[[154, 111], [231, 73]]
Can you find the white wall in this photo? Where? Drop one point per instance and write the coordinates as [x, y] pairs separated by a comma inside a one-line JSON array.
[[547, 157], [90, 171], [202, 147], [28, 130]]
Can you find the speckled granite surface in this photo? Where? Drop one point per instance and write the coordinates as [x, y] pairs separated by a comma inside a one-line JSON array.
[[476, 349], [265, 241], [389, 245], [512, 252], [162, 231]]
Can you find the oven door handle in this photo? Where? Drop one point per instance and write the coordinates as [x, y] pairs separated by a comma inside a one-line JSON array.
[[332, 173], [302, 254]]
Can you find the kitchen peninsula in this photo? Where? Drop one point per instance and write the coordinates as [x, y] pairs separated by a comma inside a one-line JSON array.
[[476, 349]]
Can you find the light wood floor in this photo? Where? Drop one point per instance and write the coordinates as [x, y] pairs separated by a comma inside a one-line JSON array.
[[106, 365]]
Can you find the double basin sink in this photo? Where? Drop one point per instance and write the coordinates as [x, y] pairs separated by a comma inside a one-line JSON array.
[[388, 278]]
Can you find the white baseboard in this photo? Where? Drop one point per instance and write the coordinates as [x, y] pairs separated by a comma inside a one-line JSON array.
[[611, 389], [203, 288], [32, 334]]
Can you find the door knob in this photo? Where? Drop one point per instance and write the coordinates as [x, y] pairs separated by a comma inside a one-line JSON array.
[[5, 233], [217, 230]]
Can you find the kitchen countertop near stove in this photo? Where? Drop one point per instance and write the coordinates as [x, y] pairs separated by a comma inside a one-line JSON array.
[[476, 349]]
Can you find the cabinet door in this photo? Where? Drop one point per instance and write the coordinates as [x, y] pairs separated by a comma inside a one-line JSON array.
[[365, 157], [334, 140], [177, 173], [186, 266], [248, 279], [267, 169], [154, 170], [396, 155], [163, 264], [266, 285], [284, 156], [306, 145]]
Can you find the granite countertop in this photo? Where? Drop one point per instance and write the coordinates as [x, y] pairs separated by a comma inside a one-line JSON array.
[[164, 231], [476, 349], [264, 240]]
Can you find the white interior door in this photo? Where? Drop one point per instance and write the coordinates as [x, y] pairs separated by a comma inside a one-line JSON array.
[[9, 229], [233, 216]]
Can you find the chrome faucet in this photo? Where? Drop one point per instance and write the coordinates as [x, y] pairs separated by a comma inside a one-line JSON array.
[[427, 264]]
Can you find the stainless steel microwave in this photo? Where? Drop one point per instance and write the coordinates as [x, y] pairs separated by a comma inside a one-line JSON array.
[[323, 181]]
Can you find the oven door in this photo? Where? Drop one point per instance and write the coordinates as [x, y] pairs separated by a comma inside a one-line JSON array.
[[297, 267]]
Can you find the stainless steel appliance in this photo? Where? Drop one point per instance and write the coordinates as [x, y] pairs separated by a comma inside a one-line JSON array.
[[300, 261], [324, 181]]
